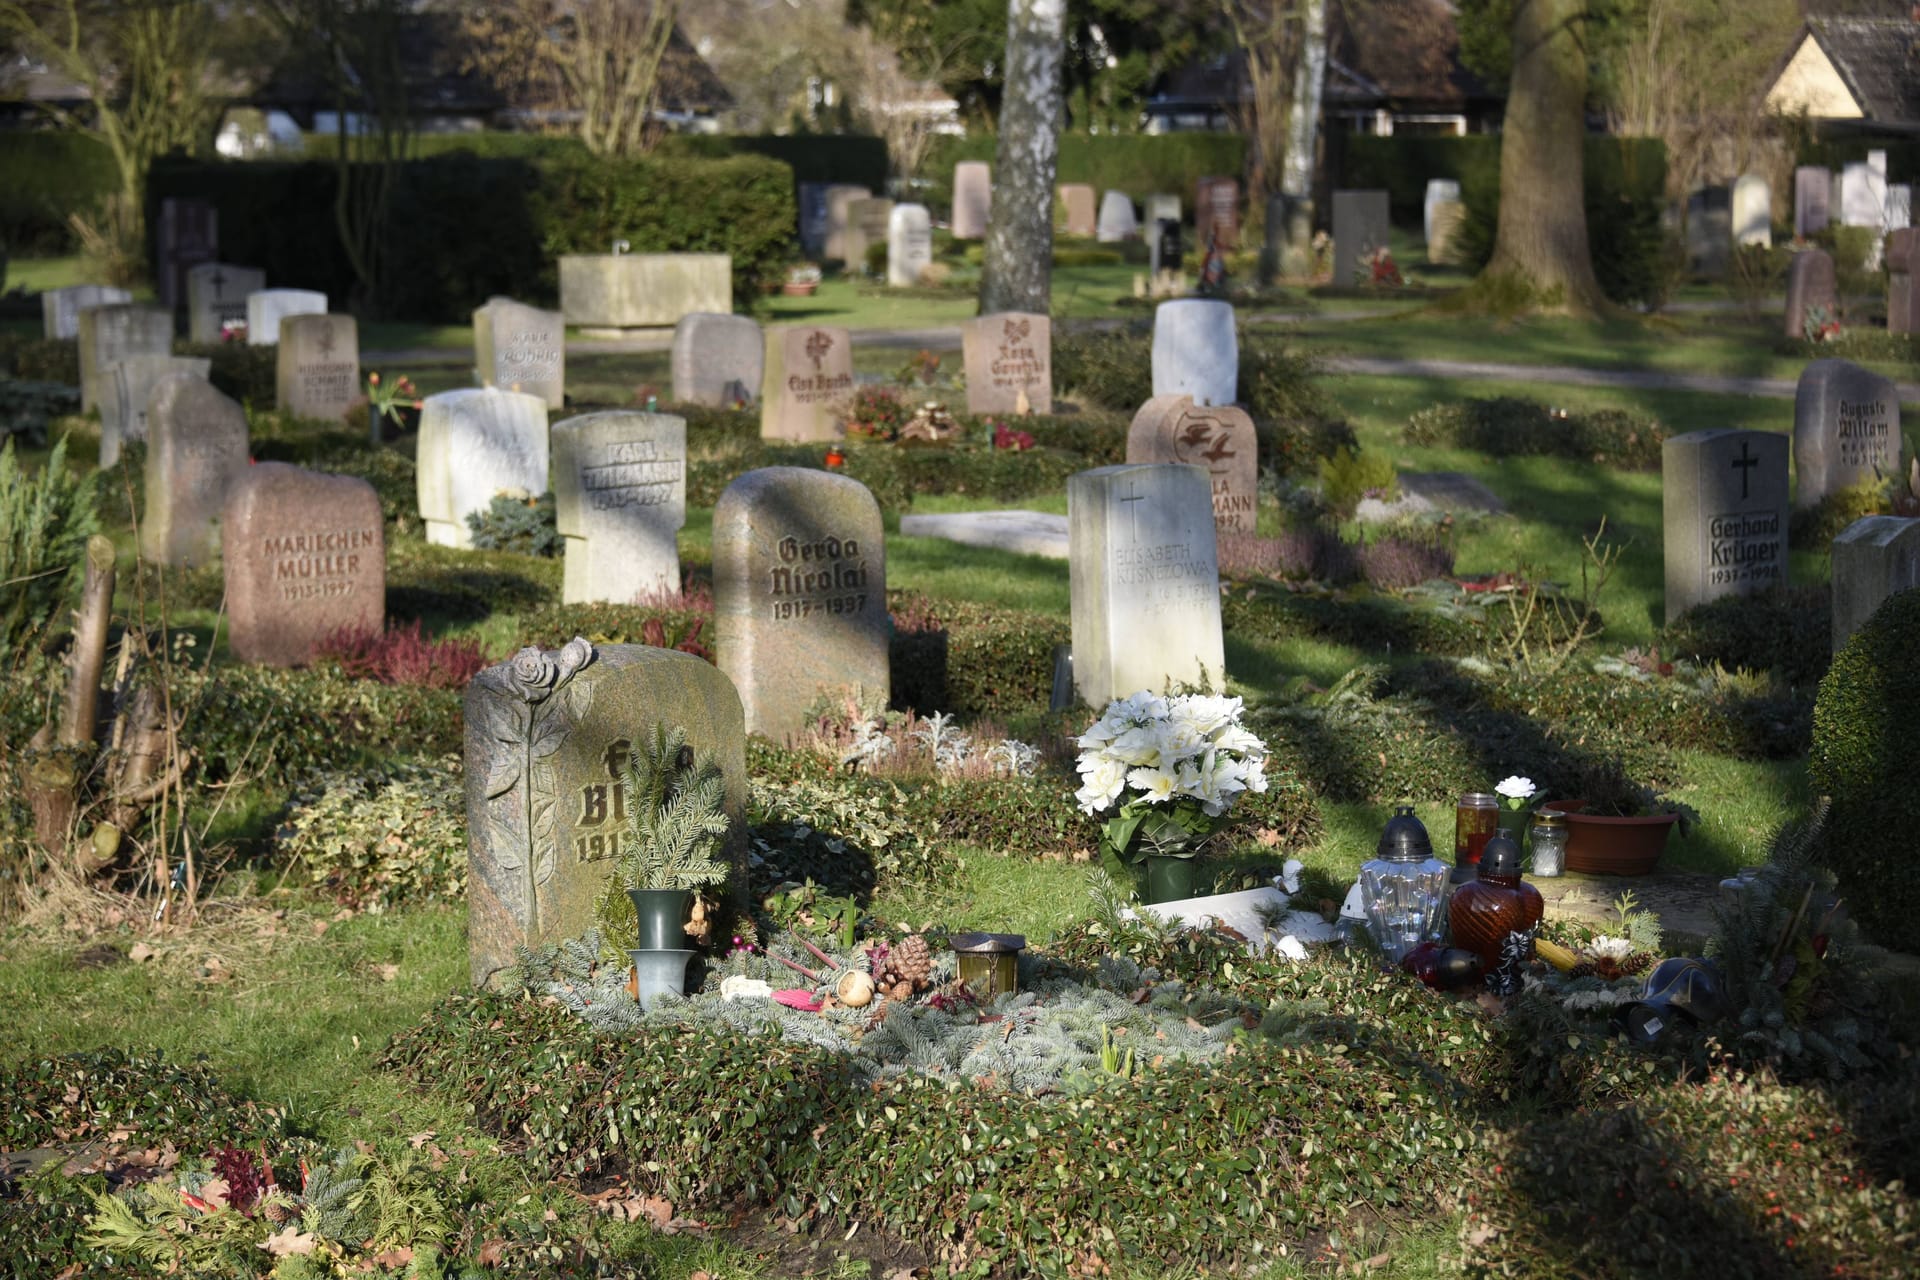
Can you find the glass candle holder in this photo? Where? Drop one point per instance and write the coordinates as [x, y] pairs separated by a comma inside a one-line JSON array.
[[1547, 838]]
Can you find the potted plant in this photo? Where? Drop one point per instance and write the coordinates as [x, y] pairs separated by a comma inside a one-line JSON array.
[[1167, 772], [1624, 838], [676, 821], [1518, 797], [398, 400], [802, 280]]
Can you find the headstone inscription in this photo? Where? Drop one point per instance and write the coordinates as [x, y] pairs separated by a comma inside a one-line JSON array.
[[1846, 429], [620, 489], [1008, 355], [1078, 200], [196, 446], [60, 308], [809, 376], [1903, 264], [1723, 495], [188, 235], [217, 295], [1812, 197], [305, 556], [1360, 223], [475, 445], [1752, 211], [717, 360], [1116, 218], [1218, 439], [972, 199], [1438, 190], [123, 413], [1873, 558], [909, 244], [799, 593], [267, 308], [318, 367], [548, 737], [840, 197], [114, 333], [1195, 351], [521, 348], [867, 222], [1813, 296], [1144, 578]]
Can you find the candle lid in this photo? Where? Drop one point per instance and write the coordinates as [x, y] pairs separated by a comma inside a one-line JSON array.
[[1405, 838], [1501, 857]]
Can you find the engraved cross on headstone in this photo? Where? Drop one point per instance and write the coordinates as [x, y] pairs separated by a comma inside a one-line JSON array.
[[219, 279], [1744, 464], [1133, 513]]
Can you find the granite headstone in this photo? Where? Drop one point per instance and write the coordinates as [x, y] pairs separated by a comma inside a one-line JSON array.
[[188, 234], [620, 490], [217, 294], [196, 447], [123, 411], [717, 360], [305, 556], [1007, 355], [972, 199], [521, 348], [1846, 429], [1873, 558], [809, 377], [1360, 224], [1903, 264], [1723, 497], [318, 367], [1812, 194], [60, 308], [1218, 439], [1811, 286], [1079, 201]]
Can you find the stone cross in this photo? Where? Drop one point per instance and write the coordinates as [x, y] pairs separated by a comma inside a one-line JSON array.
[[305, 556], [620, 489], [1724, 515]]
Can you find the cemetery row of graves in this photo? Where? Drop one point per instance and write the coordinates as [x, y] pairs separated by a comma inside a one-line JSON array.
[[376, 698]]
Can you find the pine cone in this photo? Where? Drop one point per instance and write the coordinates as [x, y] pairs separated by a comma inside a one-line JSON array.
[[911, 961], [1584, 969], [278, 1212], [1638, 962]]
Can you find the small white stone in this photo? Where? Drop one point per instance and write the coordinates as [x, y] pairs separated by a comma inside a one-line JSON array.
[[740, 987]]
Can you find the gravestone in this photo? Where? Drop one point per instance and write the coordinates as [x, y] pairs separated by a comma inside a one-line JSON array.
[[1438, 190], [809, 377], [867, 222], [114, 333], [1159, 206], [123, 410], [267, 308], [909, 244], [1116, 218], [217, 294], [813, 218], [1812, 198], [1218, 439], [476, 444], [1449, 216], [1846, 429], [60, 308], [799, 593], [1723, 501], [972, 199], [196, 446], [1031, 533], [620, 489], [717, 360], [1360, 223], [1873, 558], [1079, 200], [1752, 211], [521, 348], [1863, 197], [1217, 214], [318, 367], [1709, 231], [1007, 354], [305, 556], [1144, 576], [1903, 264], [1164, 250], [1195, 351], [615, 292], [1899, 206], [1810, 286], [840, 197], [188, 235], [547, 742]]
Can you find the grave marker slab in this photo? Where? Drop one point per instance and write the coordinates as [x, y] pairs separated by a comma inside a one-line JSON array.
[[196, 446], [840, 197], [60, 308], [809, 376], [717, 360], [1217, 215], [909, 243], [620, 488], [188, 235], [1752, 211], [1812, 198], [318, 369], [813, 218], [217, 295], [267, 308], [1438, 190], [123, 413], [972, 199], [1723, 495], [1217, 439], [1811, 285], [1846, 428], [1195, 351], [305, 555], [474, 445], [1164, 250], [619, 291], [1899, 205], [1873, 558], [1007, 354], [867, 223], [521, 348], [1144, 577], [1360, 223], [113, 333], [1449, 216], [547, 741], [1079, 201], [1903, 264], [1863, 196], [1116, 218], [799, 593], [1709, 231]]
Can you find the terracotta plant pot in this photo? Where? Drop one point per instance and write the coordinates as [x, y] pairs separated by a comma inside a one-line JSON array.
[[799, 288], [1598, 846]]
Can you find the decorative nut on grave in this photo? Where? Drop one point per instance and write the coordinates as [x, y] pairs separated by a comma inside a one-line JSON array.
[[855, 989]]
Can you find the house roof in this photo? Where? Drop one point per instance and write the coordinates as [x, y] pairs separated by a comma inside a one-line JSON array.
[[1878, 58]]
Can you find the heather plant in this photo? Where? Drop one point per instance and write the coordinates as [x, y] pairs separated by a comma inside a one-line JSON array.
[[404, 655]]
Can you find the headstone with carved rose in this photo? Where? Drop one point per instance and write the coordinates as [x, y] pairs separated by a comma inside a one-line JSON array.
[[547, 740], [1219, 439], [1007, 355], [809, 378]]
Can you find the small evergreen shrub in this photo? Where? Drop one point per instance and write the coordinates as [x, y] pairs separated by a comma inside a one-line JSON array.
[[239, 718], [1352, 474], [680, 622], [525, 526], [447, 584], [1788, 632], [1108, 367], [1814, 528], [1513, 426], [381, 836], [45, 521], [999, 661], [240, 370], [401, 654], [1865, 758]]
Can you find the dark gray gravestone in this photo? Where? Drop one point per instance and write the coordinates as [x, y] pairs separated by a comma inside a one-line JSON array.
[[1846, 428], [1810, 286], [1903, 263], [1872, 559], [1360, 226], [196, 445], [1812, 194], [1723, 497]]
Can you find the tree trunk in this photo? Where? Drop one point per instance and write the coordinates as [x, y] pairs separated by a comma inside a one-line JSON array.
[[1542, 237], [1017, 275], [1304, 120], [54, 781]]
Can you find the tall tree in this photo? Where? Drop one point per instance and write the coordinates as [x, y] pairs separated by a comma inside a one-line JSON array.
[[1017, 274]]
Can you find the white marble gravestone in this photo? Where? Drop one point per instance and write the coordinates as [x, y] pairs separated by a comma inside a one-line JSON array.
[[620, 490], [909, 243], [1438, 190], [521, 348], [1116, 218], [972, 199], [268, 307], [60, 308], [1196, 351], [1752, 211], [717, 360], [474, 445]]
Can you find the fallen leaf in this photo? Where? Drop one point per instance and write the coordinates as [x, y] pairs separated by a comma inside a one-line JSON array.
[[288, 1240], [387, 972], [344, 913], [1480, 1235], [549, 1216], [1267, 836], [398, 1256], [215, 1192], [140, 952], [420, 1140], [319, 927], [489, 1255], [1378, 1260]]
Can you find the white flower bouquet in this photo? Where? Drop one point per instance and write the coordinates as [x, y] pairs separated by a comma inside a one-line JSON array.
[[1167, 771]]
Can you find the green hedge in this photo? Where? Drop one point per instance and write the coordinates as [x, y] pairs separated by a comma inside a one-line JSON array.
[[465, 227], [1138, 164], [44, 178]]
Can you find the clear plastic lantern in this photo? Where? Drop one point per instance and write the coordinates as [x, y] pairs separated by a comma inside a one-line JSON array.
[[1404, 887]]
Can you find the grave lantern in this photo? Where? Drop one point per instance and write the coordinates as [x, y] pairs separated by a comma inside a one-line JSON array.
[[1403, 887]]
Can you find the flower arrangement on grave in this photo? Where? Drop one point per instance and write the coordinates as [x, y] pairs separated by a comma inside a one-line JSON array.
[[1378, 270], [386, 399], [874, 413], [1167, 772], [1518, 796], [1820, 324], [1004, 437], [676, 821], [930, 424]]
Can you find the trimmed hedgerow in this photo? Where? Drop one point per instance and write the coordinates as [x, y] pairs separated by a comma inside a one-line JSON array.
[[1815, 527], [305, 720], [1512, 426], [1788, 632], [998, 661], [439, 582], [30, 359]]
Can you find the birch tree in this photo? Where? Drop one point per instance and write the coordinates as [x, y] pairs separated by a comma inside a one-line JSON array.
[[1017, 275]]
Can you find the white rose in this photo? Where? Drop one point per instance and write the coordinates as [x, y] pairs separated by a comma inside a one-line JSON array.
[[1104, 782], [1516, 788], [1152, 785]]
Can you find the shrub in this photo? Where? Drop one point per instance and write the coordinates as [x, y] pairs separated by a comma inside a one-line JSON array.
[[1138, 164], [525, 526], [855, 817], [45, 521], [679, 622], [47, 176], [247, 373], [402, 655], [1859, 343], [426, 581], [1865, 758], [1788, 632], [1293, 418], [381, 836], [1353, 474], [875, 413], [393, 475], [28, 408], [35, 359], [1814, 528], [301, 721], [998, 661], [1513, 426], [1397, 561], [1109, 367]]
